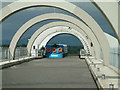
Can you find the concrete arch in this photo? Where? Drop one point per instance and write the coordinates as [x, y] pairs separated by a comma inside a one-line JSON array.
[[60, 29], [65, 5], [46, 40], [53, 24], [110, 14], [49, 16], [54, 31], [68, 7]]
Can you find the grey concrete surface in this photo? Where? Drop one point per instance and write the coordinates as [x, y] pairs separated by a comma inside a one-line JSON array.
[[69, 72]]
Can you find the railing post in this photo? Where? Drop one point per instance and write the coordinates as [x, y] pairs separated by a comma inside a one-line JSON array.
[[111, 86]]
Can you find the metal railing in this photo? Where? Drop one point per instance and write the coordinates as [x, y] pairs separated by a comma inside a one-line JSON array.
[[20, 52]]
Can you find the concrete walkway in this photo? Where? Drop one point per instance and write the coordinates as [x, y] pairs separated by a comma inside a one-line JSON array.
[[69, 72]]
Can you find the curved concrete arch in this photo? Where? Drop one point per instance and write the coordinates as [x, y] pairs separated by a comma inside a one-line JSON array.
[[57, 30], [57, 16], [15, 6], [55, 24], [65, 5], [104, 45], [110, 14], [52, 16], [47, 39]]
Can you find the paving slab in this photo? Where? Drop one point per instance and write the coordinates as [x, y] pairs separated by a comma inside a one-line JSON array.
[[69, 72]]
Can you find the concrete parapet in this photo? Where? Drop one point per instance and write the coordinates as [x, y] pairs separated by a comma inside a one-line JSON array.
[[104, 76], [7, 64]]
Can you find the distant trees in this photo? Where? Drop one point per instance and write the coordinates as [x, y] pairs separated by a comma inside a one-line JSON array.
[[74, 50]]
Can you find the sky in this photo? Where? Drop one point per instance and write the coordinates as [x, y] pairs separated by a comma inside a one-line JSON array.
[[66, 39], [15, 21]]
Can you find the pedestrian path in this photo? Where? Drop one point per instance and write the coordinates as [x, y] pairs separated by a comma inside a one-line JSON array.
[[69, 72]]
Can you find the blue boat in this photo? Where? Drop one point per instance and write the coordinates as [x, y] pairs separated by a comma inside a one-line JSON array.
[[56, 51]]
